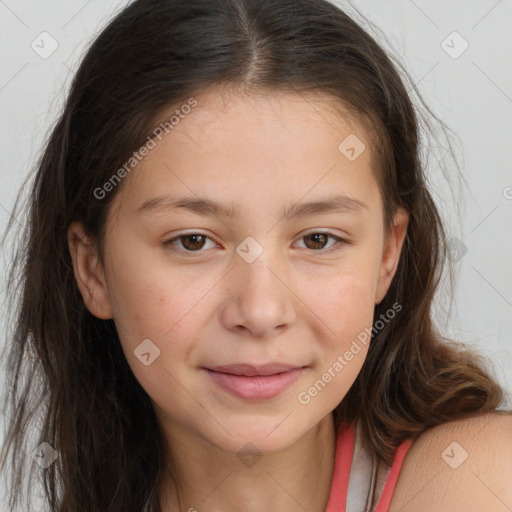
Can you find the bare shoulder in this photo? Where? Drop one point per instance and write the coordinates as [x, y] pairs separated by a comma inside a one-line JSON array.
[[462, 465]]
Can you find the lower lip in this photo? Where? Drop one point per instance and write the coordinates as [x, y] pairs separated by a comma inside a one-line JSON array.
[[260, 387]]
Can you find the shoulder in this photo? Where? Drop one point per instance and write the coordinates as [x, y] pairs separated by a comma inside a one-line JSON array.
[[460, 465]]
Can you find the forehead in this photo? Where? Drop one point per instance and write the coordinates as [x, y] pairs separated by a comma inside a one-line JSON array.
[[265, 117], [233, 144]]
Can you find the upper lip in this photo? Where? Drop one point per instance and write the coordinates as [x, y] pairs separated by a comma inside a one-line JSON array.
[[250, 370]]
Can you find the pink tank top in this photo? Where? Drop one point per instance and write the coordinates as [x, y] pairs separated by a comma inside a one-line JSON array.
[[359, 482]]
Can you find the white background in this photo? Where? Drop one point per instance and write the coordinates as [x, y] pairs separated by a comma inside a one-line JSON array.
[[472, 94]]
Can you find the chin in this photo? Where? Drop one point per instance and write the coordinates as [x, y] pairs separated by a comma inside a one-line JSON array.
[[261, 436]]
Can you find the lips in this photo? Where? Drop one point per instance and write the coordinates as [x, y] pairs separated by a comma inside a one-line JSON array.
[[250, 370], [255, 383]]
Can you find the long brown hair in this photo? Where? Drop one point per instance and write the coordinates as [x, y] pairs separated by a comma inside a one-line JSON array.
[[67, 366]]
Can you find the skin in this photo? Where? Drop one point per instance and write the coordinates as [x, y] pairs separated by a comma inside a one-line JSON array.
[[297, 303], [460, 466]]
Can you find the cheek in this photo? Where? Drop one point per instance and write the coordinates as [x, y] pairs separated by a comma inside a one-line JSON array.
[[151, 318], [147, 297], [344, 300], [165, 305], [345, 306], [146, 306]]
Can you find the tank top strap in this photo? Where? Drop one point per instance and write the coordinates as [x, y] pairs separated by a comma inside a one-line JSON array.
[[342, 461], [356, 480], [389, 487]]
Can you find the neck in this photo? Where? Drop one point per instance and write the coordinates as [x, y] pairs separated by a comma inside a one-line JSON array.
[[295, 479]]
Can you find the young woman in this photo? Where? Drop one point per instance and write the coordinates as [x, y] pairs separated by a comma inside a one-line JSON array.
[[227, 278]]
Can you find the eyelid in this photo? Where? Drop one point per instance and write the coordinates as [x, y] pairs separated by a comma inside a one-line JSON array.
[[169, 242], [330, 234]]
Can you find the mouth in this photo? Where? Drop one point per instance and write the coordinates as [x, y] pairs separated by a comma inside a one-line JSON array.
[[255, 383], [249, 370]]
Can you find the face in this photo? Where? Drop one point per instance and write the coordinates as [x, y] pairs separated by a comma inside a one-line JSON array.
[[195, 288]]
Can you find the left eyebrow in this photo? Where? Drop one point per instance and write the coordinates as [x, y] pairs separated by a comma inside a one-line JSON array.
[[205, 207]]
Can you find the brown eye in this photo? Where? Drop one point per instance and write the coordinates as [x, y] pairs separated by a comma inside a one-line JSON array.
[[317, 242], [192, 242]]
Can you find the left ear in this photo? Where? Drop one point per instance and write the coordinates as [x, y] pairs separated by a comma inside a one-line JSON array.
[[391, 253]]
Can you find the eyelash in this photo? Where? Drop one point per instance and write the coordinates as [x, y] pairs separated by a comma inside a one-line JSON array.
[[341, 241]]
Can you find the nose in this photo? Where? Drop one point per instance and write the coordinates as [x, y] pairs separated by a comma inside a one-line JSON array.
[[260, 300]]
